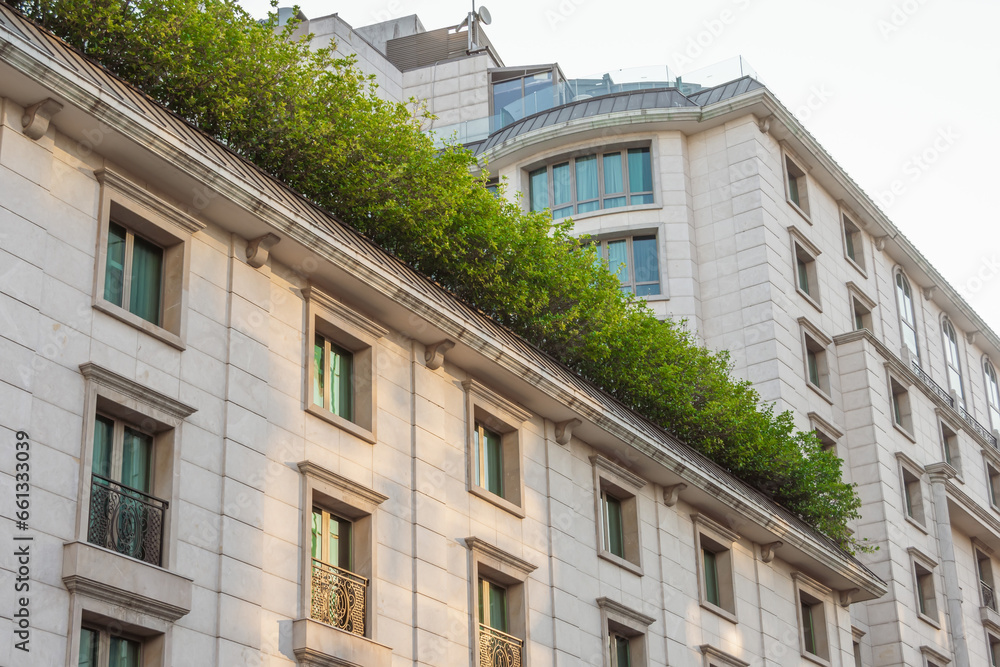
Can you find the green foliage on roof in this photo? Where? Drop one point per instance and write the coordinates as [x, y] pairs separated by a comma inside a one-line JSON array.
[[313, 121]]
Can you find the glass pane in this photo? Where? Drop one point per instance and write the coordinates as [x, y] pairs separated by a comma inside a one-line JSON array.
[[588, 206], [618, 260], [647, 269], [88, 648], [793, 189], [539, 184], [586, 179], [849, 238], [114, 273], [124, 653], [808, 631], [317, 535], [613, 177], [147, 270], [507, 103], [651, 289], [320, 373], [561, 191], [538, 93], [340, 542], [137, 452], [561, 212], [483, 587], [614, 536], [622, 652], [104, 430], [641, 199], [614, 202], [803, 275], [494, 462], [711, 577], [341, 381], [498, 608], [859, 323], [640, 174], [813, 367]]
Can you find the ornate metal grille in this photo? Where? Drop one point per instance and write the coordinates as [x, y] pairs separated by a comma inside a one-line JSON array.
[[977, 427], [989, 599], [125, 520], [338, 597], [934, 386], [498, 649]]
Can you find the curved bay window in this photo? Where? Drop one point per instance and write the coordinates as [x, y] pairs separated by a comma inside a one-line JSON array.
[[634, 260], [907, 318], [992, 393], [593, 182], [952, 359]]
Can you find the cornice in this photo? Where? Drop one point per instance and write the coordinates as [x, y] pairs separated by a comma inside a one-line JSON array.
[[124, 598], [637, 618], [480, 546], [316, 471], [490, 397], [111, 380], [370, 327], [112, 179]]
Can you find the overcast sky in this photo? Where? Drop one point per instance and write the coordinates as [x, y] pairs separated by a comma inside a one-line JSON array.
[[897, 91]]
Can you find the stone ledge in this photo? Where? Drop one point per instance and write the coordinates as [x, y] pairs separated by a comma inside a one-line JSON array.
[[316, 644], [126, 582]]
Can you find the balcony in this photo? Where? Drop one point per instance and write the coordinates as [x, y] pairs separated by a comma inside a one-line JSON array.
[[989, 597], [938, 390], [126, 521], [498, 649], [932, 385], [980, 430], [338, 598]]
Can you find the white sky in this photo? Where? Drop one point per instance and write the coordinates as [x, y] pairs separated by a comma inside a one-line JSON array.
[[886, 79]]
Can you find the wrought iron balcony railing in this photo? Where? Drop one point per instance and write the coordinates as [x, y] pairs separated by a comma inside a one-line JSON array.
[[338, 597], [125, 520], [989, 599], [934, 386], [977, 427], [498, 649]]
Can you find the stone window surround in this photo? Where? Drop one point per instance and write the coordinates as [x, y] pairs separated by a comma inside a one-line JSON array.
[[709, 532], [908, 465], [944, 419], [789, 158], [856, 296], [153, 634], [812, 589], [358, 335], [919, 558], [619, 619], [933, 658], [506, 418], [957, 396], [906, 407], [991, 462], [624, 486], [980, 549], [324, 488], [809, 252], [828, 433], [809, 332], [501, 567], [715, 657], [847, 217], [904, 352], [165, 225]]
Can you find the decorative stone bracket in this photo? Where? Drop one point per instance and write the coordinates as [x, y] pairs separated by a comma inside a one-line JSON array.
[[564, 430], [670, 494], [434, 354], [36, 117], [767, 550], [259, 248]]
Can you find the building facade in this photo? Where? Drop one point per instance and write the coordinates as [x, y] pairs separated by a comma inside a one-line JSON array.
[[715, 204], [240, 434]]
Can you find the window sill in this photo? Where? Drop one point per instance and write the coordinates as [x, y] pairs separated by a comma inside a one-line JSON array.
[[315, 643], [814, 302], [621, 562], [909, 436], [805, 216], [494, 499], [921, 527], [719, 611], [611, 211], [133, 320], [928, 620], [812, 657], [860, 269], [823, 394], [341, 423]]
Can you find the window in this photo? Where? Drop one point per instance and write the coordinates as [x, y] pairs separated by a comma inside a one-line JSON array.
[[804, 253], [950, 447], [992, 394], [901, 414], [913, 500], [993, 485], [143, 258], [994, 649], [624, 633], [500, 604], [795, 183], [953, 360], [521, 93], [634, 260], [817, 368], [342, 362], [907, 319], [494, 447], [593, 182], [99, 648], [618, 533], [714, 544], [923, 585], [933, 658], [338, 529], [861, 308], [826, 433], [853, 244], [811, 612], [984, 567]]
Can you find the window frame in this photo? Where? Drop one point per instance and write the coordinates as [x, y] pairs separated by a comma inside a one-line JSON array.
[[862, 307], [900, 405], [795, 178], [629, 624], [154, 646], [922, 569], [145, 215], [951, 447], [710, 535], [357, 334], [505, 417], [992, 481], [853, 239], [632, 283], [805, 266], [625, 486], [911, 487], [828, 434], [812, 594], [982, 554], [598, 153], [992, 397], [903, 289], [953, 366], [816, 358]]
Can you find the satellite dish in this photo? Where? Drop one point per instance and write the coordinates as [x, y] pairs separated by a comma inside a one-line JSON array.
[[484, 16]]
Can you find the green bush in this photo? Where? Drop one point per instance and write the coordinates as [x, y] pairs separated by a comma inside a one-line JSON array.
[[314, 122]]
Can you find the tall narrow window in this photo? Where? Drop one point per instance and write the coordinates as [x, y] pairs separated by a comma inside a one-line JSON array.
[[949, 443], [994, 647], [619, 650], [338, 593], [926, 599], [912, 496], [809, 628], [711, 576], [89, 648], [614, 533], [489, 459], [852, 243], [333, 381], [901, 414], [331, 539], [985, 571], [992, 394], [953, 359], [99, 649], [795, 180], [907, 319], [813, 626], [133, 273], [493, 605], [993, 481]]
